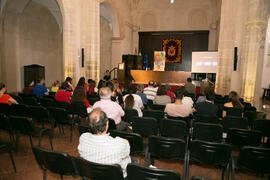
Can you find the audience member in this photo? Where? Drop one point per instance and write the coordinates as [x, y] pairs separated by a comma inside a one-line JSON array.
[[117, 94], [135, 102], [150, 91], [139, 92], [64, 94], [170, 93], [40, 89], [68, 81], [79, 94], [186, 100], [28, 90], [161, 97], [112, 109], [101, 84], [207, 108], [107, 76], [92, 87], [99, 147], [190, 88], [234, 102], [178, 109], [200, 97], [5, 98], [55, 86]]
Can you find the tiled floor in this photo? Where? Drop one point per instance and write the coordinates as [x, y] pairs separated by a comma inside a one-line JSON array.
[[27, 167]]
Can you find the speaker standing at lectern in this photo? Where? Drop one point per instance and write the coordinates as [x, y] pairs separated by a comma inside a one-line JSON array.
[[107, 76]]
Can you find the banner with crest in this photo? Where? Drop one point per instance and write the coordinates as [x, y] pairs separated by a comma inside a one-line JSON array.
[[173, 49]]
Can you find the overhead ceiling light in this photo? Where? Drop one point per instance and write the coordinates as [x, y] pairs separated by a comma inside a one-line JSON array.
[[172, 1]]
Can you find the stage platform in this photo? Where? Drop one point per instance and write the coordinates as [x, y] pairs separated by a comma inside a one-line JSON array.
[[173, 78]]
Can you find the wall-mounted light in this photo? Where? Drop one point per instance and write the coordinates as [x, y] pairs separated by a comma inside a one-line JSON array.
[[172, 1]]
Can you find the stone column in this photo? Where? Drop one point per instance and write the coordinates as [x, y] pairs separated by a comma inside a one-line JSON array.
[[253, 51]]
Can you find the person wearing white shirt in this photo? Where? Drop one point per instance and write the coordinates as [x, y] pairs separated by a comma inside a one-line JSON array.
[[150, 91]]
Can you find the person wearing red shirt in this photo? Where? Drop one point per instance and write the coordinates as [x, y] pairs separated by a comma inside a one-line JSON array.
[[5, 98], [64, 94]]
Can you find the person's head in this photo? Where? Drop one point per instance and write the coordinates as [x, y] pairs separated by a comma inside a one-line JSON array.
[[42, 81], [105, 93], [234, 98], [158, 84], [31, 83], [189, 80], [56, 83], [107, 72], [161, 91], [81, 82], [151, 83], [110, 85], [180, 92], [98, 121], [129, 102], [209, 94], [168, 87], [101, 84], [69, 79], [132, 89], [140, 87], [2, 87], [90, 81]]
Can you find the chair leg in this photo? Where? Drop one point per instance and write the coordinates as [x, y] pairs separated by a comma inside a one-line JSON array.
[[71, 129], [12, 160], [51, 136], [17, 142], [31, 142], [61, 176], [222, 175], [44, 174]]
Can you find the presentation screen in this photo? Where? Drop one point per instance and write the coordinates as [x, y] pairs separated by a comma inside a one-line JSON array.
[[204, 62]]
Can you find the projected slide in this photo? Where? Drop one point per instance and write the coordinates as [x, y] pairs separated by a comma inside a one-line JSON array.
[[204, 62]]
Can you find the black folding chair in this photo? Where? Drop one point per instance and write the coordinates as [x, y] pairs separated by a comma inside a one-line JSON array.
[[137, 172], [158, 107], [96, 171], [206, 119], [243, 137], [8, 147], [56, 162], [157, 114], [63, 104], [5, 125], [40, 114], [47, 102], [263, 125], [229, 122], [129, 113], [5, 108], [173, 128], [207, 132], [144, 126], [21, 110], [239, 112], [79, 109], [30, 101], [253, 159], [26, 126], [209, 153], [186, 119]]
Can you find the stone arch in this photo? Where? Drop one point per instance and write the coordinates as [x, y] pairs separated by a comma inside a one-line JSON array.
[[32, 32]]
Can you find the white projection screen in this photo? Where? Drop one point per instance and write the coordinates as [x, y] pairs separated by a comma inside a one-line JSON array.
[[204, 62]]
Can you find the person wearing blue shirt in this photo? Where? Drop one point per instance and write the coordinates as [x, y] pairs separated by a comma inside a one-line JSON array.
[[40, 89], [141, 94]]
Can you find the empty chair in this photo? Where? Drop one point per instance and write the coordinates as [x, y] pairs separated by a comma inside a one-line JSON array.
[[239, 112], [158, 107], [20, 110], [263, 125], [5, 108], [129, 113], [137, 172], [173, 128], [234, 122], [206, 119], [243, 137], [30, 101], [25, 126], [47, 102], [5, 125], [157, 114], [209, 153], [40, 114], [62, 118], [56, 162], [7, 147], [254, 159], [251, 117], [96, 171], [144, 126], [207, 132]]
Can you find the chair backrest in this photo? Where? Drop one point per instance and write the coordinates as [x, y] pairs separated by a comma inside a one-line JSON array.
[[20, 110], [30, 101], [167, 148], [173, 128], [57, 162], [186, 119], [158, 107], [5, 108], [47, 102], [154, 113], [144, 126], [207, 132], [39, 113], [135, 140], [60, 115], [234, 111], [206, 119], [22, 124], [210, 153], [5, 123], [96, 171], [244, 137], [63, 104], [229, 122], [263, 125], [79, 108], [129, 113], [137, 172], [255, 159]]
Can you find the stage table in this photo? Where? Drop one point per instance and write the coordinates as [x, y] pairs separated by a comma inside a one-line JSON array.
[[173, 78]]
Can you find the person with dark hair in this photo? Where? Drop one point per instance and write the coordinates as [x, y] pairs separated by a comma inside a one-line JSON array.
[[178, 109], [150, 91], [79, 94], [40, 89], [64, 94], [28, 90], [234, 102], [92, 87], [107, 75], [161, 97], [129, 102], [99, 147], [169, 92], [68, 82], [207, 108], [101, 84], [5, 98], [137, 101], [190, 88]]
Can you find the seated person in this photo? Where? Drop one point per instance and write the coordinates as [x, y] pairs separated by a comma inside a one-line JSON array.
[[234, 102], [92, 87], [161, 97], [5, 98], [207, 108], [112, 109], [68, 81], [190, 88], [55, 86], [64, 94], [40, 89], [150, 91], [141, 94], [99, 147], [178, 109], [169, 92], [28, 90]]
